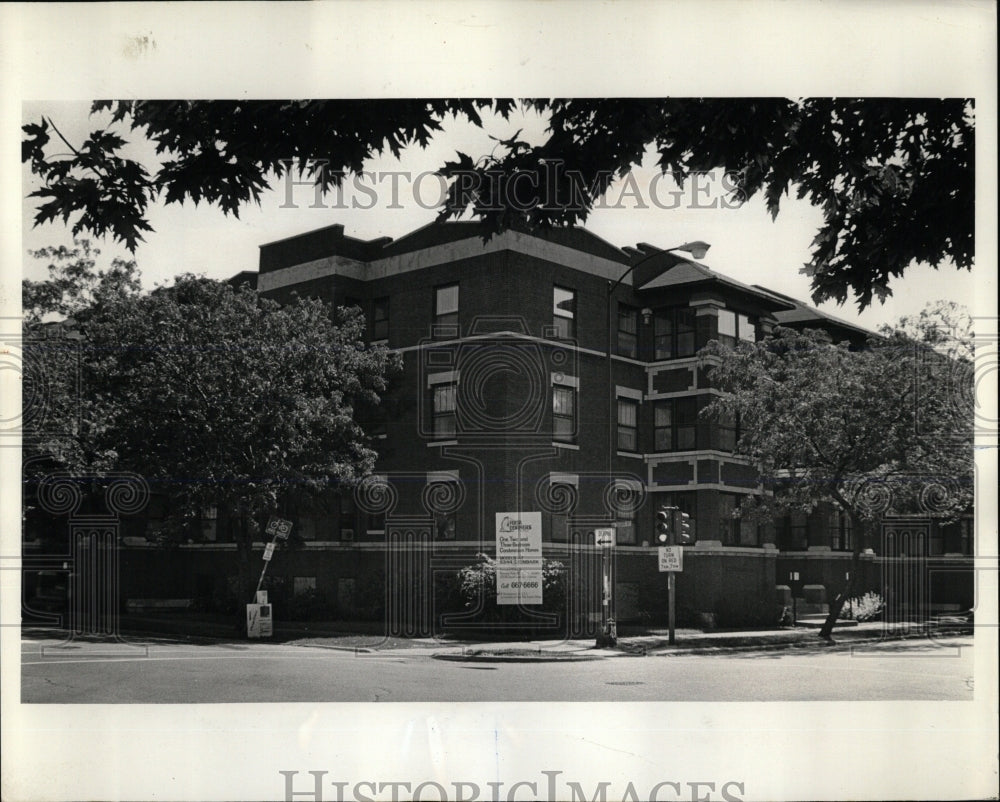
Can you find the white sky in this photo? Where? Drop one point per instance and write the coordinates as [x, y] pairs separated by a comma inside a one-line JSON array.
[[746, 244]]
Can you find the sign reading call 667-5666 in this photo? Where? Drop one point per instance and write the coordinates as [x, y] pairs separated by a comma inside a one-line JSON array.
[[519, 557]]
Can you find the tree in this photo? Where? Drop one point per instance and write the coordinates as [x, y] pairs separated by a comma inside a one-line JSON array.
[[219, 397], [59, 420], [893, 177], [876, 431]]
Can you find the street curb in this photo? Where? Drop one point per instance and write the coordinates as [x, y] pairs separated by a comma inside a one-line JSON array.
[[544, 657], [667, 651], [350, 649]]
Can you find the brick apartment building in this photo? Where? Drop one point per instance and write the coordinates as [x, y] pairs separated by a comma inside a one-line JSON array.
[[503, 405]]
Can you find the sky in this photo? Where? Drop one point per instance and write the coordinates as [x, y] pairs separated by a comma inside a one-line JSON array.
[[746, 243]]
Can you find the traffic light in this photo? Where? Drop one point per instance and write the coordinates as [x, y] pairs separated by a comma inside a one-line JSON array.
[[664, 524], [682, 528]]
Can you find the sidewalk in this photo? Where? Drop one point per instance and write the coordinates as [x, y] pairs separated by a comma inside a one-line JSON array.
[[690, 641], [654, 642]]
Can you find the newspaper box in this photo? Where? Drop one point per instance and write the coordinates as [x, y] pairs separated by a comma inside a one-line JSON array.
[[259, 621]]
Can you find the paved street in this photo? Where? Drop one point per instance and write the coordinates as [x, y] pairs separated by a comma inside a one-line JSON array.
[[159, 670]]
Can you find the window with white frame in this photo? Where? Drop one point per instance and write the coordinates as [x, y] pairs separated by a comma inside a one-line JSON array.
[[564, 312], [735, 327], [628, 424], [380, 320], [444, 406], [446, 306], [674, 332], [563, 413], [628, 331], [675, 424]]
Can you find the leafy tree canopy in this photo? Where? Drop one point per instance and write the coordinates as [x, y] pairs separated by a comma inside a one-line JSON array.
[[894, 177], [883, 429], [214, 395]]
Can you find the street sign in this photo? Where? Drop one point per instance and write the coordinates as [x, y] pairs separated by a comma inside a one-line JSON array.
[[279, 528], [268, 552], [605, 536], [671, 558]]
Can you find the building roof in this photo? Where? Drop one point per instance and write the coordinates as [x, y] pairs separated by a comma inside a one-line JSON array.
[[442, 232], [687, 272], [801, 313]]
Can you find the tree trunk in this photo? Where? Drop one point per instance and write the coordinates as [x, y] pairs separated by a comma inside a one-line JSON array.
[[826, 631]]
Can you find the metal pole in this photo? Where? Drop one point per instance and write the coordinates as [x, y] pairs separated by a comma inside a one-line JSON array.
[[605, 597], [671, 600], [605, 639], [263, 571]]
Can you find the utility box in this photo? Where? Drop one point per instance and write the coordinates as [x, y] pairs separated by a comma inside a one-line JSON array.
[[260, 624]]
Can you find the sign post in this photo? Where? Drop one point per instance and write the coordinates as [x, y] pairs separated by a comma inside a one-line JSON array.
[[259, 621], [519, 557], [672, 525], [604, 537]]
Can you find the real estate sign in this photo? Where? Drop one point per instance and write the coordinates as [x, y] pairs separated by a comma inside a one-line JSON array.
[[519, 557]]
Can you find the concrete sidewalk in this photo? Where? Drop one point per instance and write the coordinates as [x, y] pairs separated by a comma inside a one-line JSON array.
[[692, 641], [653, 642]]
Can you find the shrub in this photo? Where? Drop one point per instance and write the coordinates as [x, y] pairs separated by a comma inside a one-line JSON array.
[[866, 608], [477, 587]]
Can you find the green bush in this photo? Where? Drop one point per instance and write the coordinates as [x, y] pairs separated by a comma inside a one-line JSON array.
[[865, 608], [477, 587]]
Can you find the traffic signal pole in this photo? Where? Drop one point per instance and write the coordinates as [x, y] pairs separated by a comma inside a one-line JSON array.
[[672, 602], [673, 529]]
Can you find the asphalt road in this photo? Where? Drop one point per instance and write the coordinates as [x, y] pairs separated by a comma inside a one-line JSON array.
[[171, 672]]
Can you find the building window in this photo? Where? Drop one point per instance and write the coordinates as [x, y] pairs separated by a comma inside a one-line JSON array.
[[935, 546], [727, 327], [209, 523], [444, 526], [673, 333], [380, 320], [728, 431], [628, 424], [347, 518], [625, 528], [446, 306], [564, 313], [443, 410], [563, 414], [628, 331], [966, 535], [839, 524], [794, 532], [727, 519], [735, 328], [675, 424], [749, 531]]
